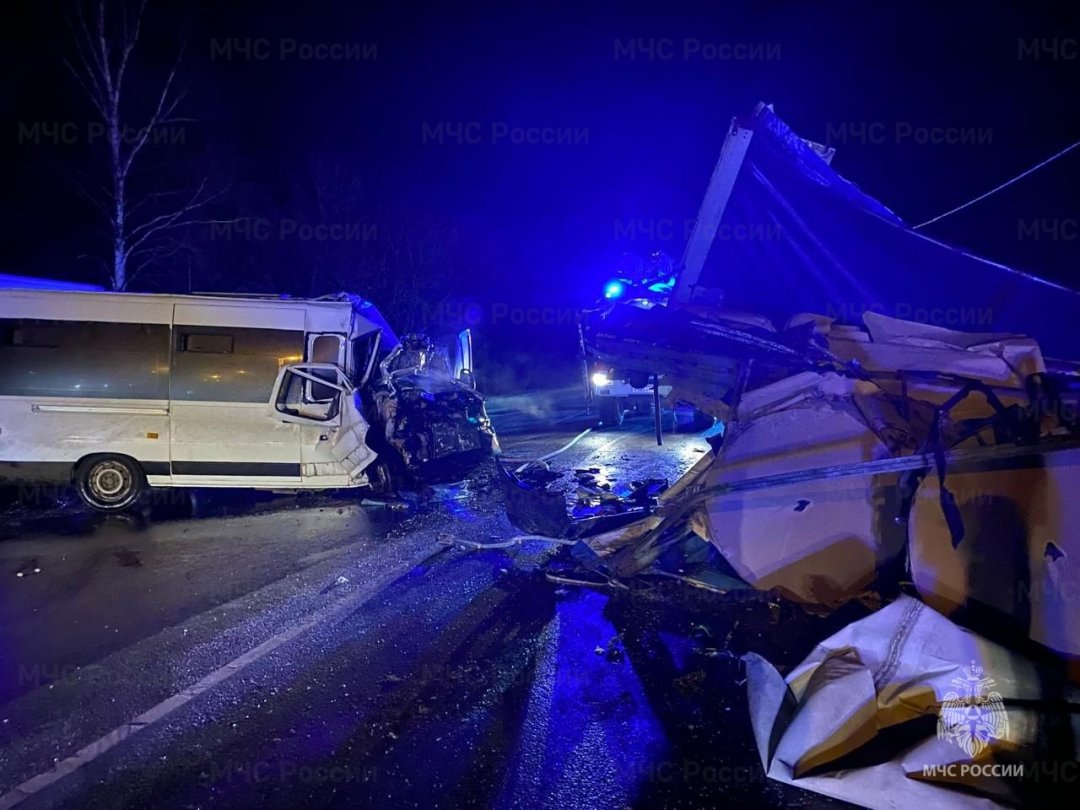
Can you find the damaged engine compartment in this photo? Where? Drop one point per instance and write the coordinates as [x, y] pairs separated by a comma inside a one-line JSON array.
[[434, 424]]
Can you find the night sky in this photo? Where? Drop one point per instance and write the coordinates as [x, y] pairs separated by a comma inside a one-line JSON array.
[[646, 91]]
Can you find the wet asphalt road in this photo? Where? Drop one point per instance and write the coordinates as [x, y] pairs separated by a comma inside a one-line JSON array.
[[327, 653]]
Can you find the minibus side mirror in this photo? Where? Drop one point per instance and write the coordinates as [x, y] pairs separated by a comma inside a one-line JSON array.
[[310, 393]]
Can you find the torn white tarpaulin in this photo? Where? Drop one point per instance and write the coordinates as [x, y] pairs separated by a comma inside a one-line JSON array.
[[906, 709]]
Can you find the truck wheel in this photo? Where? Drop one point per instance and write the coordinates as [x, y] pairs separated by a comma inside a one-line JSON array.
[[611, 411], [110, 483]]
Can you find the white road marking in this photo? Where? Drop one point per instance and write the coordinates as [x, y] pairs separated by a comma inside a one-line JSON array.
[[106, 742]]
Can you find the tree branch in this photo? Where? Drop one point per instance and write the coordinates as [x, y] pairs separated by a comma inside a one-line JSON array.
[[179, 218]]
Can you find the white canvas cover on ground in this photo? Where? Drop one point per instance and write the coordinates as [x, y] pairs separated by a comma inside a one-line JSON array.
[[906, 709]]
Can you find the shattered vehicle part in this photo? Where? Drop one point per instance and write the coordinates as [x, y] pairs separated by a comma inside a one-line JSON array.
[[993, 544], [532, 508], [824, 540], [436, 425], [595, 495], [835, 415], [816, 541], [536, 501], [906, 709], [811, 484]]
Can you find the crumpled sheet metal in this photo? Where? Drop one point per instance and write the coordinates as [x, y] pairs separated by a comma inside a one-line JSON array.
[[811, 517], [437, 424], [881, 713], [1016, 356]]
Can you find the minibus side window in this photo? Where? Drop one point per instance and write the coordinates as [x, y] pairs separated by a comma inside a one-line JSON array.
[[84, 359], [323, 349], [212, 363]]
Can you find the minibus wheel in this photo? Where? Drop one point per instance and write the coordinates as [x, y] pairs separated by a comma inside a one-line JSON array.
[[109, 483]]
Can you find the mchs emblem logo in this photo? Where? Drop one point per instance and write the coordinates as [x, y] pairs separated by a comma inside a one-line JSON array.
[[972, 716]]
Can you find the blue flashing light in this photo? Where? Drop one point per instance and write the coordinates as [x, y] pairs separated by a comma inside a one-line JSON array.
[[614, 289]]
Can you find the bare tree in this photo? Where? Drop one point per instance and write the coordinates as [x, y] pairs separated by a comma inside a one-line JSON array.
[[139, 220]]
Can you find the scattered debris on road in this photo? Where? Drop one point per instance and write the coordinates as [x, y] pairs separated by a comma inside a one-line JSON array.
[[542, 501]]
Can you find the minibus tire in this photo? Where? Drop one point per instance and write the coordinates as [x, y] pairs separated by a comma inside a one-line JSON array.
[[110, 483]]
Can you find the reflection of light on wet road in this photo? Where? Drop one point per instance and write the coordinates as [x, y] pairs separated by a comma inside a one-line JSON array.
[[633, 455], [589, 734]]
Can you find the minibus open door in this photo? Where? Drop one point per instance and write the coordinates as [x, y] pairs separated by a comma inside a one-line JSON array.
[[320, 398]]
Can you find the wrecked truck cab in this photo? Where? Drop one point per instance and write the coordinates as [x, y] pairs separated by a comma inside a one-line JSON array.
[[627, 387], [697, 355], [435, 425], [625, 377]]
